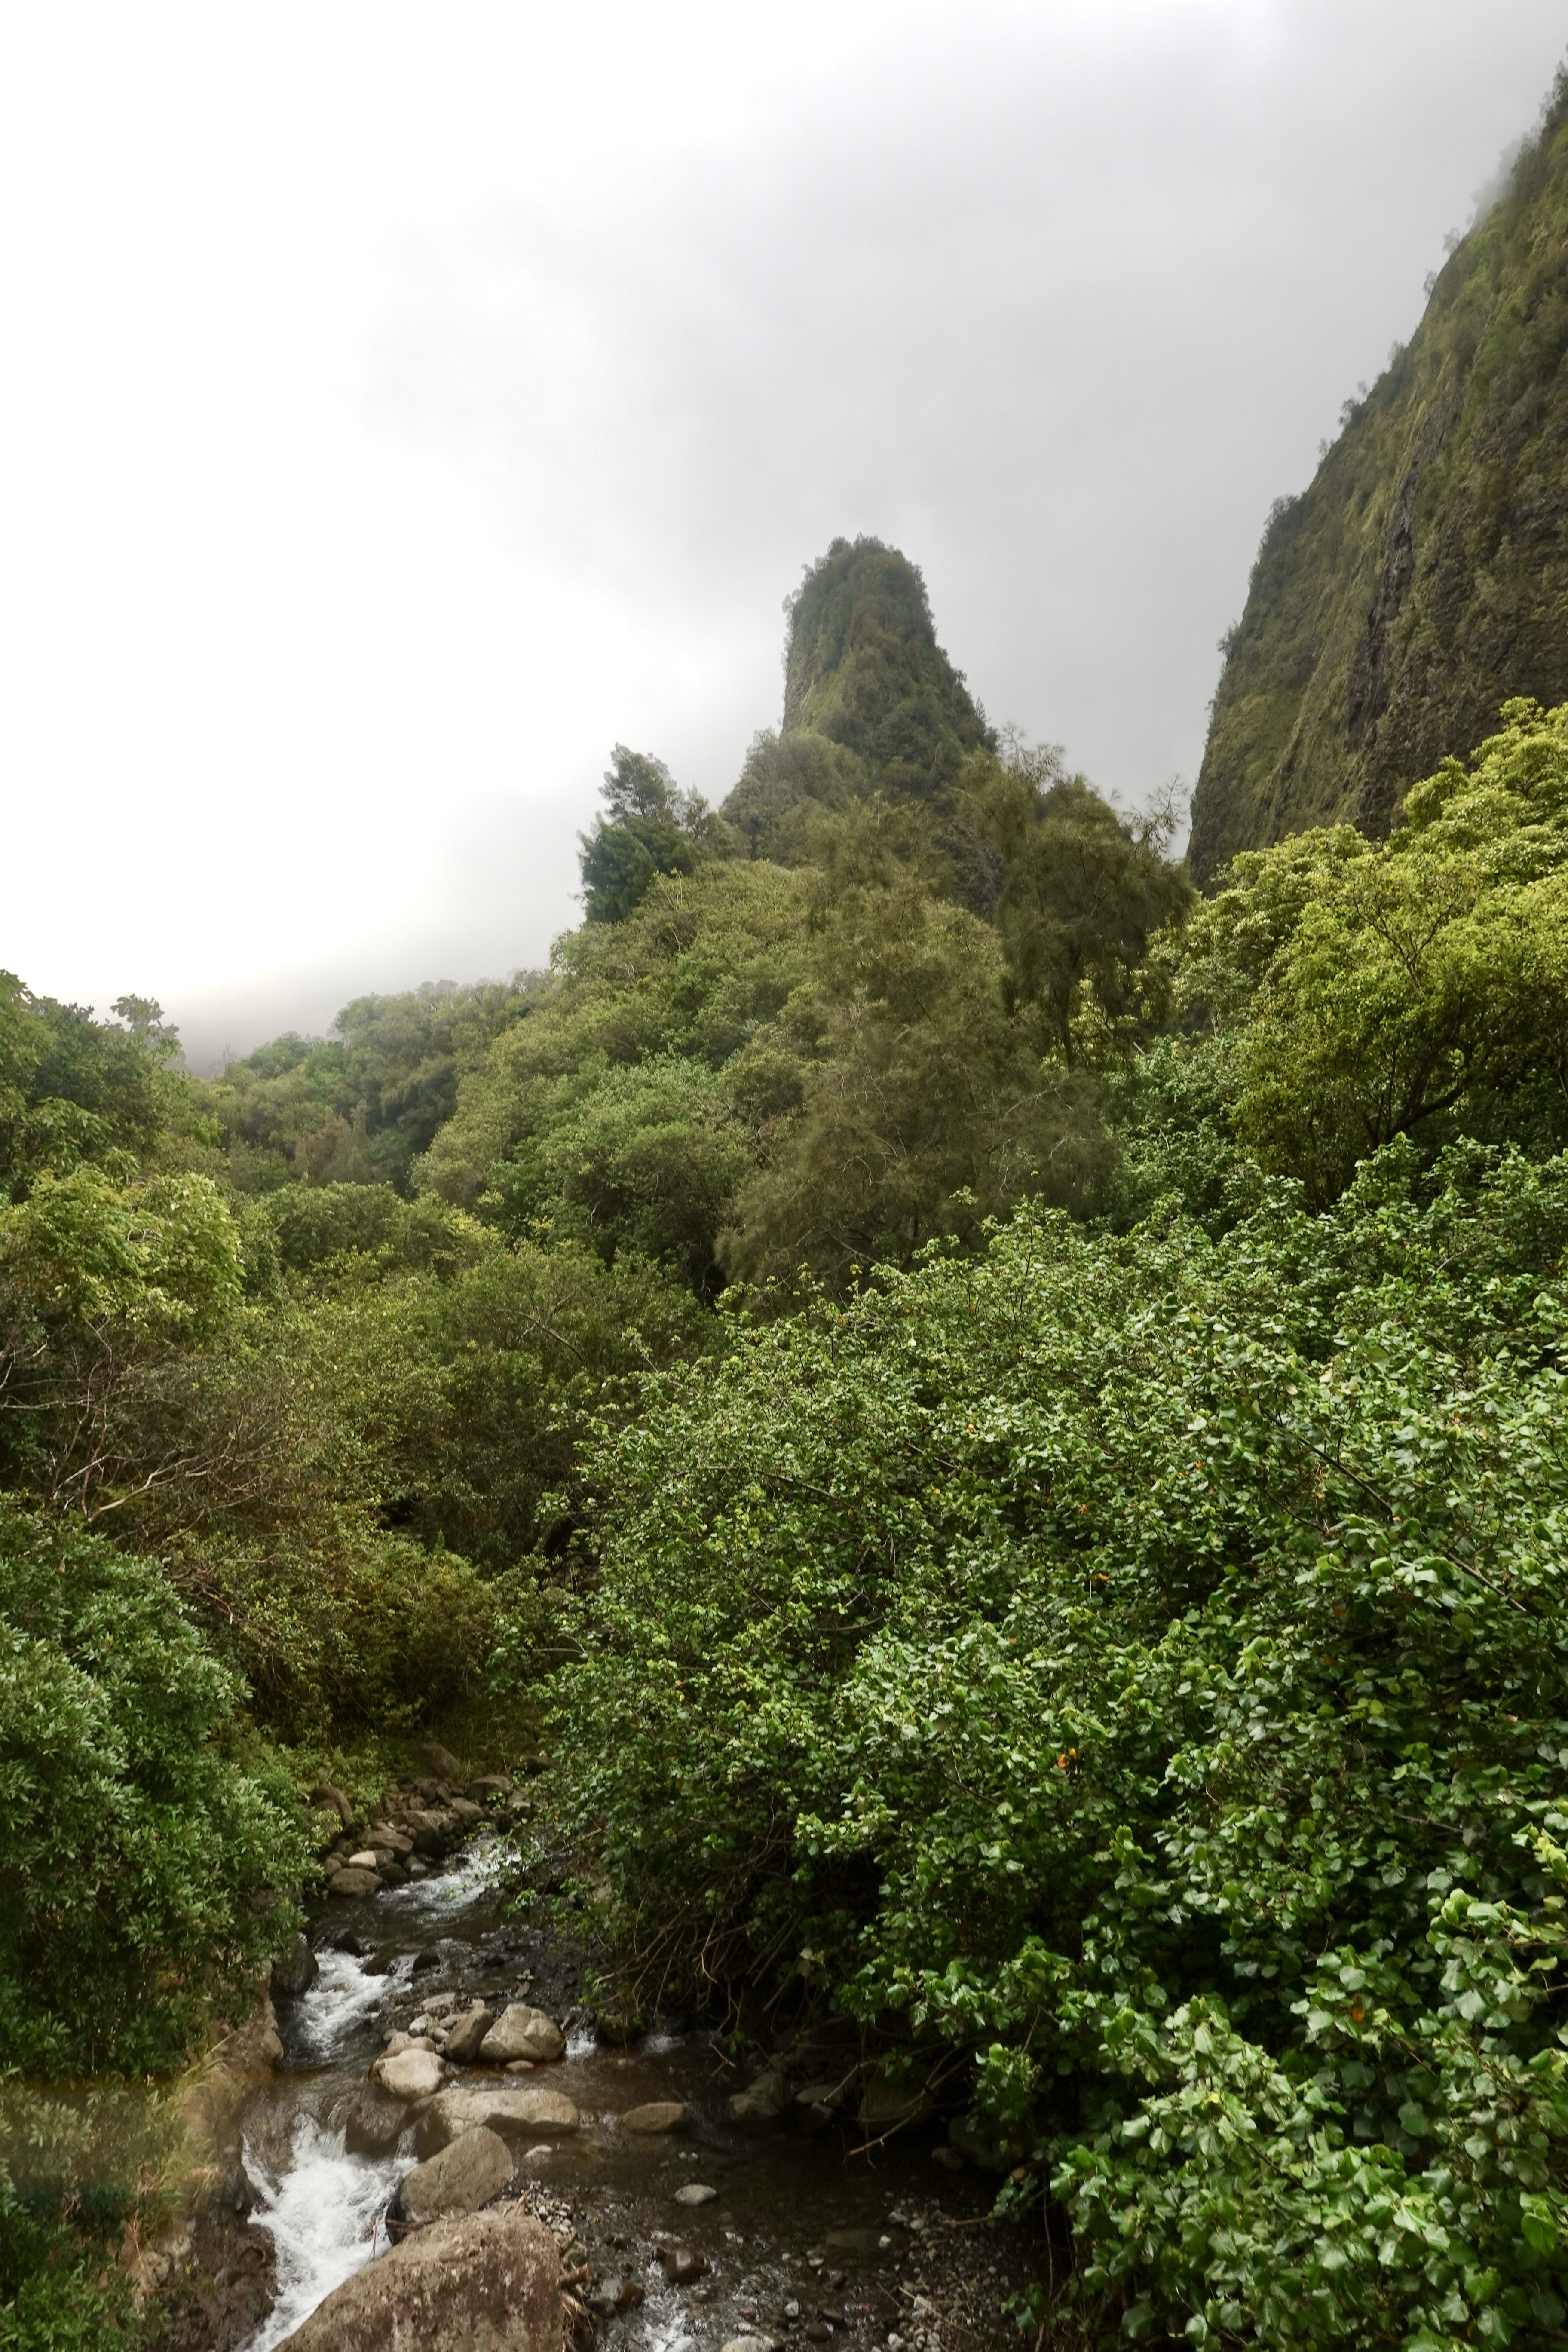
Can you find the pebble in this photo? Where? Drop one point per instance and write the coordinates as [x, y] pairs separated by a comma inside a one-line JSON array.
[[696, 2192]]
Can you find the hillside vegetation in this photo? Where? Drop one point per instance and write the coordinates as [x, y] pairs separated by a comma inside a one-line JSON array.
[[1008, 1423], [1422, 579]]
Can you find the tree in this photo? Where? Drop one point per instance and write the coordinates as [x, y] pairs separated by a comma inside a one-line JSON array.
[[652, 826]]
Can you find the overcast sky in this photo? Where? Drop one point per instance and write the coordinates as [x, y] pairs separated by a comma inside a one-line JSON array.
[[401, 404]]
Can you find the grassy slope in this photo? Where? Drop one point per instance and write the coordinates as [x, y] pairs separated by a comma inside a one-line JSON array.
[[1423, 576]]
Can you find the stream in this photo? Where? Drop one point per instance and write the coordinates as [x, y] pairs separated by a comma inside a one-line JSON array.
[[806, 2237]]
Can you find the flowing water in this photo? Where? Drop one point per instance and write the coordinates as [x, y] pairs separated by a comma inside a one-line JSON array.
[[807, 2235]]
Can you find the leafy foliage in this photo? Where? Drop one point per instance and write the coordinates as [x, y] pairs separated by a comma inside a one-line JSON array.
[[138, 1850], [1134, 1660], [651, 826], [1417, 988], [358, 1108]]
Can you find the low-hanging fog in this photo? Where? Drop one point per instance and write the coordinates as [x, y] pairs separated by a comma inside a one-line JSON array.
[[403, 405]]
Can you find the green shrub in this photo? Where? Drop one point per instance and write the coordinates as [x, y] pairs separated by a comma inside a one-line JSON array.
[[141, 1856], [1136, 1662]]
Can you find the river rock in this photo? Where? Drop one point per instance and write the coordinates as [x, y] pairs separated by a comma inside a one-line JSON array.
[[374, 2123], [330, 1800], [439, 1761], [411, 2075], [889, 2107], [696, 2192], [466, 2034], [521, 2031], [681, 2265], [466, 1810], [993, 2147], [507, 2108], [352, 1879], [296, 1971], [763, 2101], [657, 2116], [469, 2171], [433, 1832], [488, 2281], [363, 1860], [750, 2344]]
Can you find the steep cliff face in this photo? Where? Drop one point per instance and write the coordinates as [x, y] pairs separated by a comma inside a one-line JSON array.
[[871, 702], [1422, 579]]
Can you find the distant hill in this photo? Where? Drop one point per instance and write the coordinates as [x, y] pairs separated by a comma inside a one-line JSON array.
[[1422, 579]]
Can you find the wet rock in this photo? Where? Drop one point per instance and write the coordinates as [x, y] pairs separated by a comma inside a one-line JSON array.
[[469, 2171], [615, 2294], [507, 2108], [375, 2123], [859, 2244], [763, 2101], [488, 2281], [696, 2192], [991, 2146], [439, 1761], [410, 2073], [353, 1880], [657, 2116], [521, 2031], [434, 1833], [423, 1962], [466, 2034], [296, 1971], [889, 2107], [619, 2027], [681, 2265]]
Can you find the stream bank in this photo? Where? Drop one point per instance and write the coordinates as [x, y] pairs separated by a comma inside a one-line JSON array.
[[801, 2235]]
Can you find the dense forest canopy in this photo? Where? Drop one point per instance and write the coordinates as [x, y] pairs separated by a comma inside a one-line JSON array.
[[1008, 1421]]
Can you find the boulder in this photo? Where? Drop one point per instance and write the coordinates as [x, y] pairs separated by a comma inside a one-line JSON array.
[[353, 1880], [490, 2282], [993, 2147], [330, 1800], [889, 2107], [365, 1859], [657, 2116], [374, 2123], [296, 1971], [488, 1786], [469, 2171], [411, 2075], [763, 2101], [696, 2192], [432, 1831], [439, 1761], [466, 1810], [466, 2034], [681, 2265], [521, 2031], [508, 2108]]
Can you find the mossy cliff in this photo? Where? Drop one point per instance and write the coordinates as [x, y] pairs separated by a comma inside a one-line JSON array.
[[1422, 579], [871, 702]]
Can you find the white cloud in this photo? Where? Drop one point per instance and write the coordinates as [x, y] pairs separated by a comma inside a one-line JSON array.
[[402, 406]]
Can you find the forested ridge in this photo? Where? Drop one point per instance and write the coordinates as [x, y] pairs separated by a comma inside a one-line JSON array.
[[1000, 1425]]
